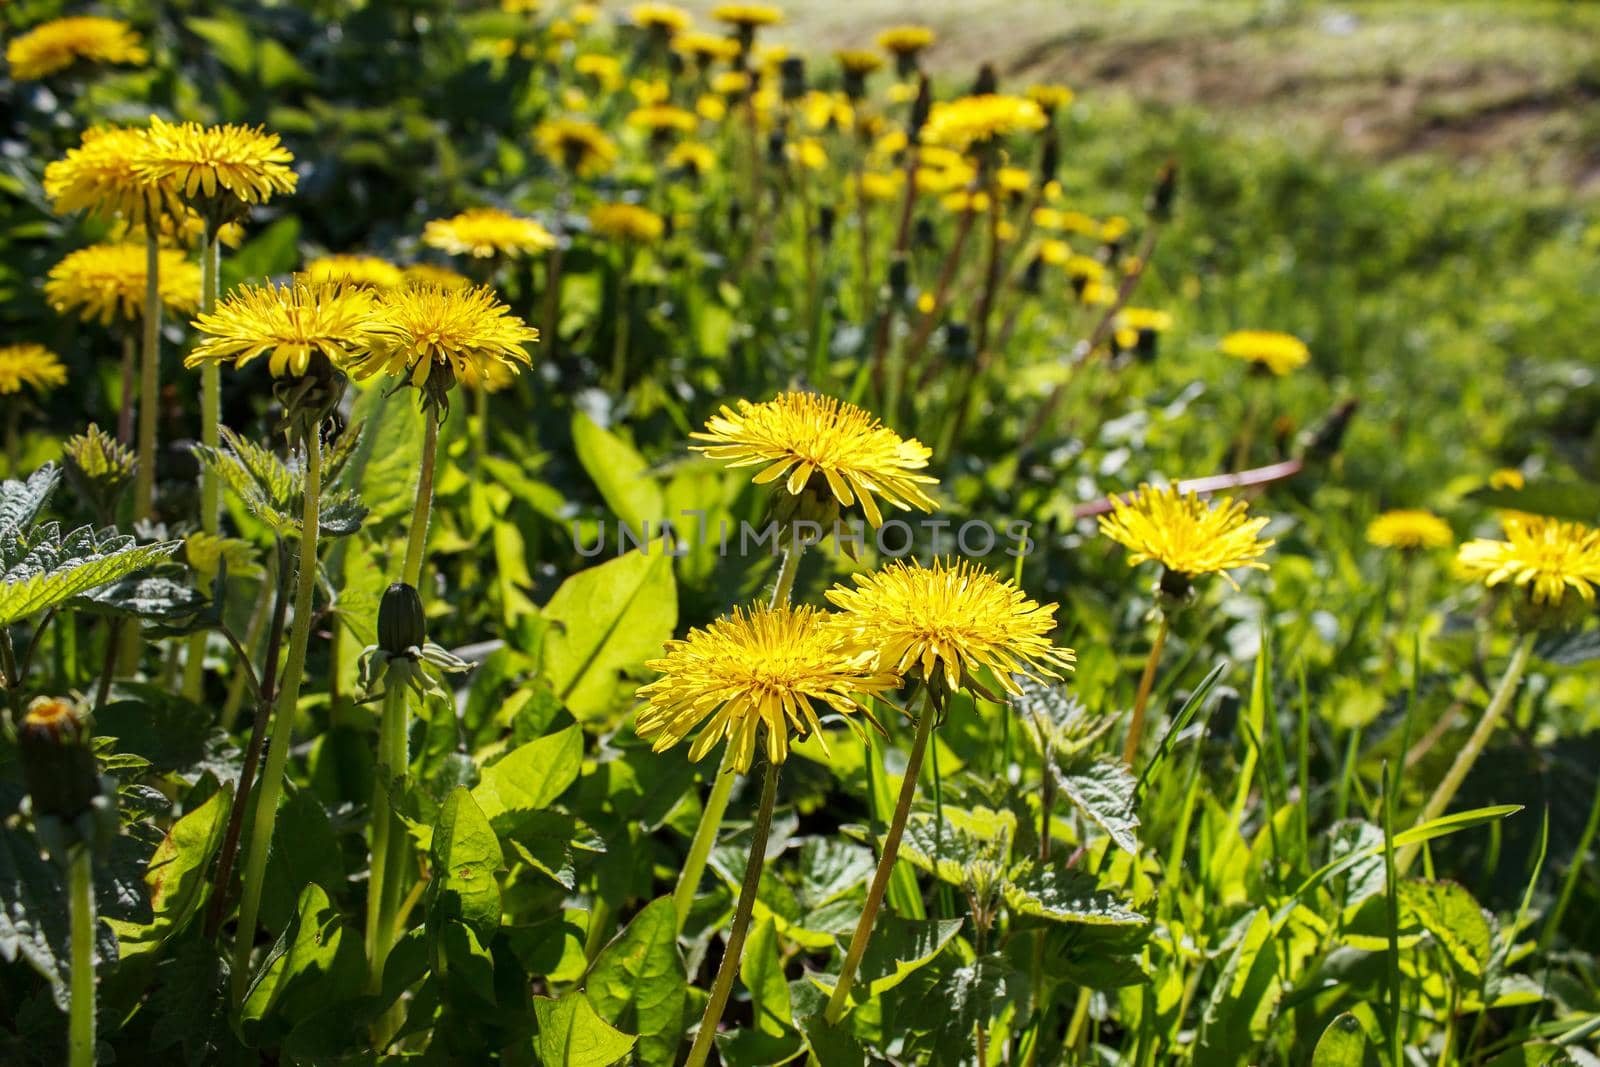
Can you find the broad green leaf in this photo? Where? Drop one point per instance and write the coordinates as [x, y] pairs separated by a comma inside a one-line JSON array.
[[383, 466], [606, 620], [531, 777], [51, 574], [1535, 1055], [571, 1034], [761, 970], [1245, 996], [1448, 912], [177, 878], [899, 947], [466, 856], [33, 914], [638, 983], [831, 868], [550, 840], [21, 501], [970, 996], [1342, 1044], [154, 599], [1103, 792], [317, 961], [1572, 500], [1069, 895], [620, 473]]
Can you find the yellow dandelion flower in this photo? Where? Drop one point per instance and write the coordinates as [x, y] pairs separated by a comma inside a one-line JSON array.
[[291, 325], [764, 670], [731, 82], [1186, 535], [58, 44], [32, 365], [692, 156], [607, 70], [946, 623], [659, 119], [99, 176], [431, 274], [369, 272], [711, 107], [1409, 528], [905, 40], [1085, 268], [1013, 180], [484, 232], [747, 16], [666, 19], [974, 121], [808, 152], [107, 281], [434, 337], [1279, 353], [1507, 478], [203, 163], [1114, 229], [1547, 557], [1139, 319], [876, 186], [626, 222], [650, 91], [821, 445], [858, 62], [586, 14], [822, 110], [706, 48], [581, 147], [1050, 98], [1079, 223]]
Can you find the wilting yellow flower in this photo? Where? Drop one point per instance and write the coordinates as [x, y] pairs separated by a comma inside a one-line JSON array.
[[289, 324], [431, 274], [858, 62], [31, 365], [943, 624], [607, 70], [581, 147], [1279, 353], [99, 176], [56, 45], [905, 40], [692, 156], [107, 281], [1138, 319], [747, 16], [664, 18], [978, 120], [662, 119], [1050, 98], [822, 445], [434, 337], [626, 222], [1409, 528], [762, 670], [242, 163], [371, 272], [1186, 535], [706, 47], [483, 232], [1545, 556]]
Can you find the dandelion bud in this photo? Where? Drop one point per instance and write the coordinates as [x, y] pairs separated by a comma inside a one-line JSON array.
[[777, 146], [1166, 189], [899, 278], [70, 802], [919, 110], [957, 342], [924, 234], [401, 623], [826, 217], [98, 467], [793, 73], [987, 82], [1049, 159], [1322, 441]]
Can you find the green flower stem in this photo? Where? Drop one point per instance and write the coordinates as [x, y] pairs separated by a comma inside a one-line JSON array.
[[380, 926], [723, 986], [271, 788], [705, 834], [80, 892], [130, 364], [144, 479], [210, 388], [619, 333], [422, 511], [1130, 749], [1499, 703], [880, 878]]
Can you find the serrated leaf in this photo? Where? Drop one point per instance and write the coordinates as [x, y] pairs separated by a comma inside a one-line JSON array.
[[157, 599], [1061, 722], [1067, 895], [466, 857], [1448, 912], [83, 560], [33, 914], [899, 947], [572, 1034], [531, 777], [638, 983], [831, 868], [1103, 792], [945, 852], [21, 501], [972, 995]]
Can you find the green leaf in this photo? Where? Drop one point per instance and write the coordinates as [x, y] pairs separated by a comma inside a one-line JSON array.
[[1246, 995], [971, 996], [1448, 912], [1068, 895], [177, 878], [33, 914], [57, 569], [21, 501], [154, 599], [466, 857], [1534, 1055], [638, 983], [317, 961], [1342, 1044], [1573, 500], [604, 621], [571, 1034], [550, 840], [1103, 792], [531, 777], [385, 459], [899, 947], [275, 250], [620, 473], [761, 971]]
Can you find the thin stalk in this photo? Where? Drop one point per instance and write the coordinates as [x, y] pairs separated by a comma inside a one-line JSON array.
[[210, 489], [880, 878], [705, 834], [144, 479], [1247, 426], [864, 235], [1130, 749], [252, 638], [283, 729], [941, 290], [80, 893], [422, 511], [130, 362], [619, 334], [379, 938], [480, 434], [722, 987], [1469, 753]]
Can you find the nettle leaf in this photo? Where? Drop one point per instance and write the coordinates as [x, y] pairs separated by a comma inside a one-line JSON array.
[[573, 1034], [273, 490], [1063, 894], [33, 914], [21, 502], [639, 983], [972, 995], [466, 857], [899, 947], [155, 599], [1569, 648], [1104, 792], [1448, 912], [54, 569], [604, 621], [530, 777], [831, 868], [1061, 722], [947, 852]]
